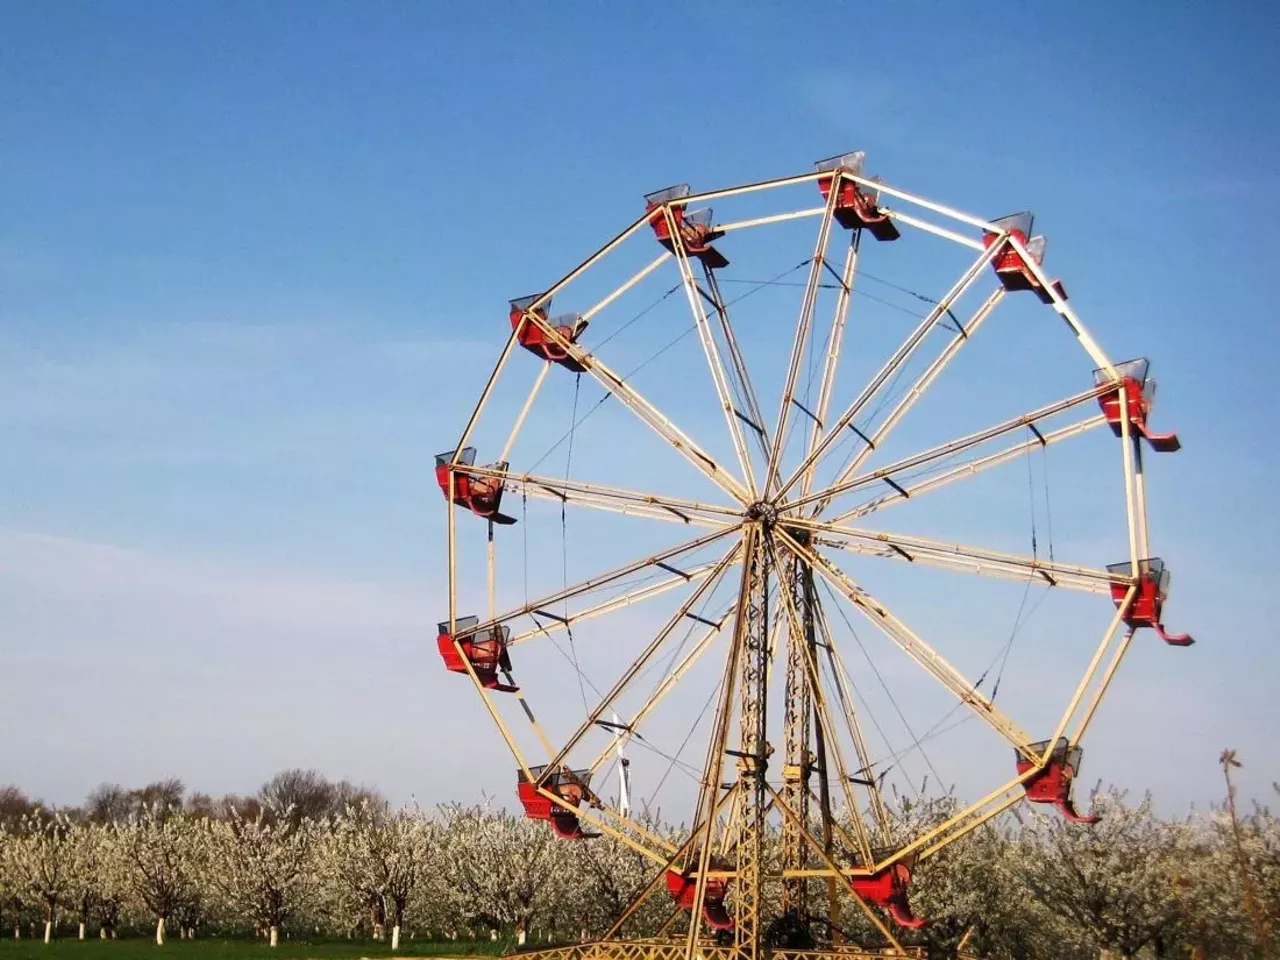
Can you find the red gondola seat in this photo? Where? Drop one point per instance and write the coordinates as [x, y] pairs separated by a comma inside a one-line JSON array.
[[857, 205], [684, 890], [572, 786], [481, 495], [694, 226], [486, 652], [1148, 601], [1052, 784], [534, 339], [1139, 394], [1012, 270], [887, 888]]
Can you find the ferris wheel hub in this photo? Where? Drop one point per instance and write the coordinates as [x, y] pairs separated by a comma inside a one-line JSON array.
[[764, 512]]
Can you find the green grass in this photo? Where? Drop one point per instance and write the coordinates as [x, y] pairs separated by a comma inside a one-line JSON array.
[[213, 948]]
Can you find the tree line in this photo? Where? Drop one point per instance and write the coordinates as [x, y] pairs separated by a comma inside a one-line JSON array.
[[306, 857]]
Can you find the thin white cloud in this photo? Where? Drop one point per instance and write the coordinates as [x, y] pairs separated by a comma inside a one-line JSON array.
[[68, 570]]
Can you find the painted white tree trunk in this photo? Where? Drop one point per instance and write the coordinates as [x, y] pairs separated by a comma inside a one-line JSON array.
[[395, 937], [160, 932], [275, 936], [520, 937], [102, 933], [48, 931], [81, 929]]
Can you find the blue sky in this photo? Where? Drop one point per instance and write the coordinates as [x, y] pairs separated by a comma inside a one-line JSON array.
[[253, 269]]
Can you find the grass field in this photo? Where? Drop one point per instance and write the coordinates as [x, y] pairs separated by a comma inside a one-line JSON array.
[[215, 949]]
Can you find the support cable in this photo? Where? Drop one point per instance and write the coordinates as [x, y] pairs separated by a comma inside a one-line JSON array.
[[599, 403], [897, 709], [564, 544], [937, 729], [1018, 621], [894, 755], [684, 743], [1048, 511], [626, 377]]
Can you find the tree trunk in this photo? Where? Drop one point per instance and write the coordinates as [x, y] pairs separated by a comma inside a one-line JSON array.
[[102, 932], [395, 937], [160, 932], [82, 926], [48, 931], [521, 934], [275, 935]]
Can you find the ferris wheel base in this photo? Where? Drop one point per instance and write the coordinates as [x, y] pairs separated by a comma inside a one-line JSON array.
[[675, 949]]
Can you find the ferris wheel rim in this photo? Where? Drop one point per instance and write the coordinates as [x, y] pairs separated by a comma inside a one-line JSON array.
[[795, 526]]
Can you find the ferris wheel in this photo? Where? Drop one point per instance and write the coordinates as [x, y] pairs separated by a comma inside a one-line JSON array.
[[745, 614]]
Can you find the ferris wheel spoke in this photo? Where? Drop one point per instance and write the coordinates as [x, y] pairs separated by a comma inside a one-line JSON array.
[[894, 363], [642, 408], [746, 387], [817, 264], [835, 341], [711, 350], [962, 557], [969, 468], [627, 599], [823, 712], [614, 499], [917, 389], [669, 683], [949, 449], [911, 644], [645, 656], [603, 580], [648, 511]]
